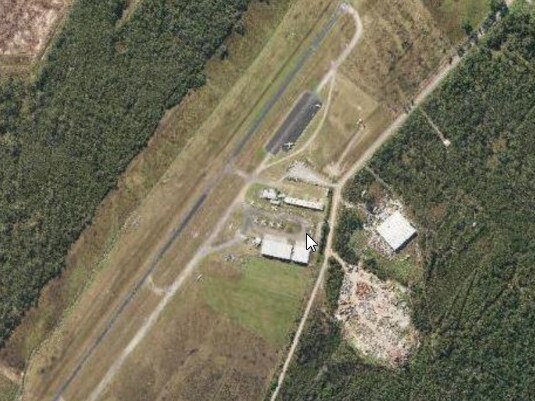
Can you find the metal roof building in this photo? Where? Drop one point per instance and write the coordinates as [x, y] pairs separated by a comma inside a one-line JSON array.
[[396, 231], [276, 247], [269, 193], [301, 254], [314, 205]]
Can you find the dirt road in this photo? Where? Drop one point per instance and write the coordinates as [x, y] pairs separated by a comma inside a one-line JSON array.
[[337, 198]]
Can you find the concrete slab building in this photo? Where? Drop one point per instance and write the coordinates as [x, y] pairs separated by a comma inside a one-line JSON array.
[[301, 254], [396, 231], [277, 248]]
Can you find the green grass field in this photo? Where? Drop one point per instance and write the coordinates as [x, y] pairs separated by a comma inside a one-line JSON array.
[[451, 14], [264, 296], [8, 390]]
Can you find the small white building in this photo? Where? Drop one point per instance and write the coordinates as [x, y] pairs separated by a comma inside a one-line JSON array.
[[301, 254], [314, 205], [396, 231], [269, 194], [276, 247]]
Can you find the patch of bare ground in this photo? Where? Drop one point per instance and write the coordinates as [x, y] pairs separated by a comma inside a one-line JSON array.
[[376, 317], [25, 25], [10, 373]]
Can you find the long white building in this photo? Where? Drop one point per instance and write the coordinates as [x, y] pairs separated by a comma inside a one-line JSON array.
[[314, 205], [280, 248]]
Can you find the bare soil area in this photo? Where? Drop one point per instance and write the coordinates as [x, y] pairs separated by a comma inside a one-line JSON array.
[[25, 25], [376, 317]]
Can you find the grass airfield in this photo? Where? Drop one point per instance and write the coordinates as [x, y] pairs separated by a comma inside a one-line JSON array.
[[224, 316]]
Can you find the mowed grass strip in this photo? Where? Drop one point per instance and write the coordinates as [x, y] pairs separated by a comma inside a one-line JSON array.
[[263, 296]]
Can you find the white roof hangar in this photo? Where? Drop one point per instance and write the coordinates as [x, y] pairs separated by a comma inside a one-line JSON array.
[[276, 247], [301, 254], [396, 231], [314, 205]]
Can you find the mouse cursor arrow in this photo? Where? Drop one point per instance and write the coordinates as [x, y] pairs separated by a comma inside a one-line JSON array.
[[310, 243]]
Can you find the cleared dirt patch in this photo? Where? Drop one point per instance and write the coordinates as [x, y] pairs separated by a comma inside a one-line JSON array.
[[376, 317], [25, 25]]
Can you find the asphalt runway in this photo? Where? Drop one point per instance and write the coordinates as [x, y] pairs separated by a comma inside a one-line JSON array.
[[296, 122], [175, 233]]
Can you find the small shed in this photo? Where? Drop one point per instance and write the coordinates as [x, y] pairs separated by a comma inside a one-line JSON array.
[[396, 231], [269, 194]]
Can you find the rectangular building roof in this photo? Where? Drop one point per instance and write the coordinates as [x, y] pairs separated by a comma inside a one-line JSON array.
[[301, 254], [269, 193], [276, 247], [396, 231], [314, 205]]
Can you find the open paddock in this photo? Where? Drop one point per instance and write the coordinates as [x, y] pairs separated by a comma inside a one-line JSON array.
[[27, 25], [221, 337]]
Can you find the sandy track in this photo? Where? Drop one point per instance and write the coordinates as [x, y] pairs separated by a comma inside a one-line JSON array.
[[332, 218]]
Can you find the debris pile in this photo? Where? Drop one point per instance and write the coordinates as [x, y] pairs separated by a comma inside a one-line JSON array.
[[300, 171], [376, 317]]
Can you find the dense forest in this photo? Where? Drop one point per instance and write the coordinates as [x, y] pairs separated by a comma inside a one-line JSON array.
[[67, 135], [348, 222], [475, 204]]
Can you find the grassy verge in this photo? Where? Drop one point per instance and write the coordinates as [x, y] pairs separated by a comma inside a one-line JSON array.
[[452, 15], [8, 390]]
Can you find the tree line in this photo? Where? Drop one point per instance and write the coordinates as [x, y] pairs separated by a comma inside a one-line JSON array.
[[475, 204], [67, 134]]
